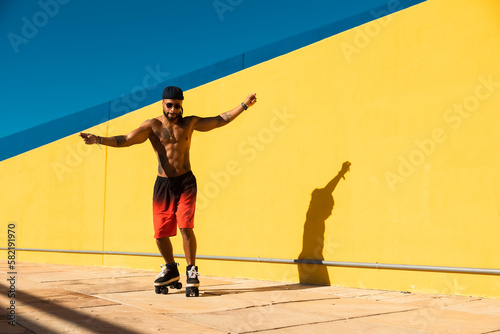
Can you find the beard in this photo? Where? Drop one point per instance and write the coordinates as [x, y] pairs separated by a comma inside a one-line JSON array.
[[172, 117]]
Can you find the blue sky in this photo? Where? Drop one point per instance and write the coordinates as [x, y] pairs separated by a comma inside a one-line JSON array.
[[62, 56]]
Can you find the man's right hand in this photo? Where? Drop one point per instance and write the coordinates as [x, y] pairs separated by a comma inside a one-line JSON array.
[[89, 138]]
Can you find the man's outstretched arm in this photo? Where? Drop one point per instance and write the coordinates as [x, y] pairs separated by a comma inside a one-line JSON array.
[[210, 123], [333, 183], [136, 136]]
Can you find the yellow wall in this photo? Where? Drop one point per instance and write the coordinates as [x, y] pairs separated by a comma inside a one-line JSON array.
[[405, 99]]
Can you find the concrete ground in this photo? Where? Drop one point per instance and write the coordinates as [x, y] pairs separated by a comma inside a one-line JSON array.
[[72, 299]]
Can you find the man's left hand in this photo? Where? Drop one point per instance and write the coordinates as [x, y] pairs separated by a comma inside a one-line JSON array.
[[251, 99]]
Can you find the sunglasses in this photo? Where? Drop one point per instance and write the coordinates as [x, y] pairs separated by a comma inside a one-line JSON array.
[[170, 105]]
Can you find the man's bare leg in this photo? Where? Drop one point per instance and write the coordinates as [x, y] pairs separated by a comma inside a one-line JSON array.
[[192, 281], [165, 248], [169, 275], [189, 243]]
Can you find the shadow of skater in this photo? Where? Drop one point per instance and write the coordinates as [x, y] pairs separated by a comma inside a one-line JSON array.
[[313, 240]]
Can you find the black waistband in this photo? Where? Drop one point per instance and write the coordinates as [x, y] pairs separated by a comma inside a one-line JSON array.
[[175, 178]]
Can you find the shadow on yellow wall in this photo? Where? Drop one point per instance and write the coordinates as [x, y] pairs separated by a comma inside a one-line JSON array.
[[313, 239]]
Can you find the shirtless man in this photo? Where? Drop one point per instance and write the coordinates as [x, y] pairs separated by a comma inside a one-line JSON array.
[[174, 193]]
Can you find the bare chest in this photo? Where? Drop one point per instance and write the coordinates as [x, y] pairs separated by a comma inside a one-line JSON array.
[[173, 136]]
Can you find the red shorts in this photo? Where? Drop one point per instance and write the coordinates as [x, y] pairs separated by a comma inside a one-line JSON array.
[[174, 201]]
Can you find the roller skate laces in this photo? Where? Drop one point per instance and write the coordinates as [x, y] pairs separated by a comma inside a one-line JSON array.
[[193, 273], [164, 271]]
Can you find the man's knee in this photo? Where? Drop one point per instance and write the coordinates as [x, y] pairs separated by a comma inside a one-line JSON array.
[[187, 232]]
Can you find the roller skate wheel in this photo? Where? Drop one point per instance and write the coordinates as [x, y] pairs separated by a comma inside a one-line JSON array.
[[192, 292]]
